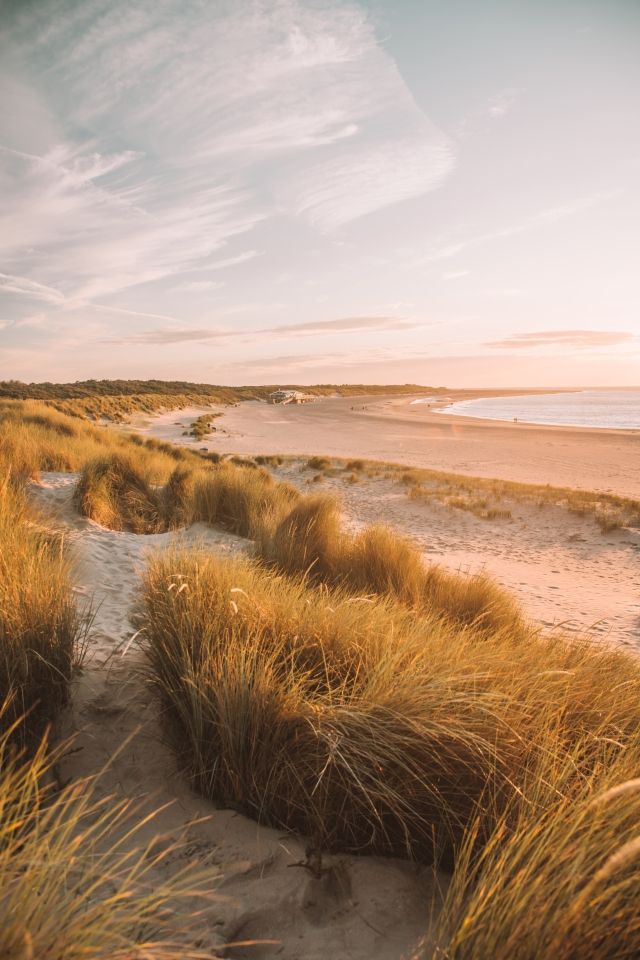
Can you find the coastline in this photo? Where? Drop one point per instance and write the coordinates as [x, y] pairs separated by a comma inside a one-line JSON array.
[[391, 429], [559, 565]]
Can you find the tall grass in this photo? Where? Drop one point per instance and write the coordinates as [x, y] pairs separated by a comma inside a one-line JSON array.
[[34, 437], [41, 631], [77, 880], [310, 540], [559, 877], [358, 722], [114, 492], [242, 499]]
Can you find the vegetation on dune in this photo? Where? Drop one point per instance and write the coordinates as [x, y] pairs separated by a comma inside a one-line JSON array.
[[34, 437], [242, 499], [118, 399], [486, 497], [335, 685], [41, 631], [557, 878], [76, 879], [375, 729], [202, 427], [309, 540], [117, 494], [490, 499]]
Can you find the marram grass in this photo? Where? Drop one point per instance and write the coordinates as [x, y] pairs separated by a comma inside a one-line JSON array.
[[77, 879], [360, 723]]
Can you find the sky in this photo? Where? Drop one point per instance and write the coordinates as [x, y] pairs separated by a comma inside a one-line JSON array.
[[441, 192]]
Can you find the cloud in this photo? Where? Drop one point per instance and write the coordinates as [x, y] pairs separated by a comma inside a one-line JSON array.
[[199, 286], [455, 274], [563, 338], [165, 336], [551, 215], [24, 287], [342, 325], [501, 104], [205, 120]]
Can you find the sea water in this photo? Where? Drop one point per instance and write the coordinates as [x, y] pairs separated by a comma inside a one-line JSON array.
[[585, 408]]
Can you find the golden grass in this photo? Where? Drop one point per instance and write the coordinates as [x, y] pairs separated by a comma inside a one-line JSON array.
[[202, 427], [41, 632], [34, 437], [116, 494], [364, 725], [77, 881], [485, 497], [242, 499], [310, 540], [558, 877]]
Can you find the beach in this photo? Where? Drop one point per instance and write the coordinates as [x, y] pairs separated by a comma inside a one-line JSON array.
[[397, 430], [561, 567]]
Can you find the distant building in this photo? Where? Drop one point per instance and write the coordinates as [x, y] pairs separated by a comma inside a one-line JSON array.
[[289, 396]]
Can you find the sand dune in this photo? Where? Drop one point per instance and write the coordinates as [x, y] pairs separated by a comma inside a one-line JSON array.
[[362, 908], [559, 565]]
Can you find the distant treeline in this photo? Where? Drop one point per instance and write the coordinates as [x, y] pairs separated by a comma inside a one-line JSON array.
[[118, 399]]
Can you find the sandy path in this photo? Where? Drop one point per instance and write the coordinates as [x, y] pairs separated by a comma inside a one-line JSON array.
[[364, 908], [559, 565], [395, 430]]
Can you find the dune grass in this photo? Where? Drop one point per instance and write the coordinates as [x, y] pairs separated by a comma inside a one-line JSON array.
[[558, 877], [42, 633], [34, 437], [77, 880], [372, 728], [487, 497], [242, 499], [202, 427], [310, 540]]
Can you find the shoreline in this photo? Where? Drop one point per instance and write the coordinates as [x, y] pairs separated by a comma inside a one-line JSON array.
[[391, 429], [558, 564]]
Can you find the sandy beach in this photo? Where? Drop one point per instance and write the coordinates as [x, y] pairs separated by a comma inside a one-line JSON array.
[[396, 430], [558, 564]]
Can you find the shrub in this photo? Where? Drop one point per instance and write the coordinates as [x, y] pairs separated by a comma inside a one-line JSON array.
[[318, 463]]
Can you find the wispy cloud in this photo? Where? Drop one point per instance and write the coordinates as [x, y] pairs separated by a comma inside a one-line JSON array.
[[563, 338], [31, 289], [551, 215], [341, 325], [166, 336], [212, 117]]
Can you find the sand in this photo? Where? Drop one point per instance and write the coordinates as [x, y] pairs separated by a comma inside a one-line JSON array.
[[394, 429], [559, 565], [364, 908]]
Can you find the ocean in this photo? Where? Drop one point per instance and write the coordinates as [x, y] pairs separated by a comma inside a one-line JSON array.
[[586, 408]]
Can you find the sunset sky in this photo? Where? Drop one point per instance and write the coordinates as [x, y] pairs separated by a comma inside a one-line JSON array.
[[435, 191]]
